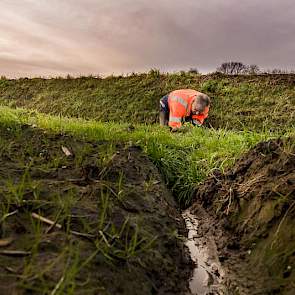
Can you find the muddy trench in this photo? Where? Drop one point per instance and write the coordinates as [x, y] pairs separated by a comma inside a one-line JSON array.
[[109, 206], [241, 229], [208, 276]]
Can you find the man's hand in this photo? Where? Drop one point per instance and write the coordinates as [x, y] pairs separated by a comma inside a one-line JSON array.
[[197, 123], [182, 129], [174, 129]]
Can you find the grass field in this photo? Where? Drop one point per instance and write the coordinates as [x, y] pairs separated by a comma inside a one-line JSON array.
[[184, 159], [108, 207], [259, 102]]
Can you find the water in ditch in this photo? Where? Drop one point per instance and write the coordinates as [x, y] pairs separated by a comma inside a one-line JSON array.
[[208, 275]]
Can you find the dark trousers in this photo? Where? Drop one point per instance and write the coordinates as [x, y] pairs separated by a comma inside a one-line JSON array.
[[164, 111]]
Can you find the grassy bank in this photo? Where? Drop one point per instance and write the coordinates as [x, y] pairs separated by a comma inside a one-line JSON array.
[[96, 219], [260, 102], [183, 158]]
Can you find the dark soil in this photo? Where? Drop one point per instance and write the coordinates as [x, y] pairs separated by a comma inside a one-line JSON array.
[[120, 230], [252, 217]]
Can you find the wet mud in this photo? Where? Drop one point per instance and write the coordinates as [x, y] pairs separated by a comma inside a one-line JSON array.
[[251, 216], [208, 275]]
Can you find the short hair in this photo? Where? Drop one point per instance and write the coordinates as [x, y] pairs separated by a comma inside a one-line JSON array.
[[203, 98]]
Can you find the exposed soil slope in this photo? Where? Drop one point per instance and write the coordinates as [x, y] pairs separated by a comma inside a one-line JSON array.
[[115, 231], [252, 208]]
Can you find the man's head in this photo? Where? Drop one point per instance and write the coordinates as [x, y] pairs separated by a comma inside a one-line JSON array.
[[200, 103]]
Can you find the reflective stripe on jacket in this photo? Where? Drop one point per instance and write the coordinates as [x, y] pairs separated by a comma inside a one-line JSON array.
[[180, 105]]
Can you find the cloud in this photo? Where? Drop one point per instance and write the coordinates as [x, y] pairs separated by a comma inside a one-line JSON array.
[[39, 37]]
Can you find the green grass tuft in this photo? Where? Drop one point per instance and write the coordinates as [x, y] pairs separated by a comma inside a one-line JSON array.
[[184, 158]]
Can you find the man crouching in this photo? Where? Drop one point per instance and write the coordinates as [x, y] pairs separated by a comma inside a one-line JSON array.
[[184, 105]]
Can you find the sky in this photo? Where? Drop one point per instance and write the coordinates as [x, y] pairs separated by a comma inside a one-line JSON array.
[[103, 37]]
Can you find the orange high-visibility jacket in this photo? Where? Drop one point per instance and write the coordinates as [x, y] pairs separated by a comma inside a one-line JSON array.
[[180, 106]]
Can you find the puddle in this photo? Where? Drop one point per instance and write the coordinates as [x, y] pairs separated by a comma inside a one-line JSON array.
[[208, 275]]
